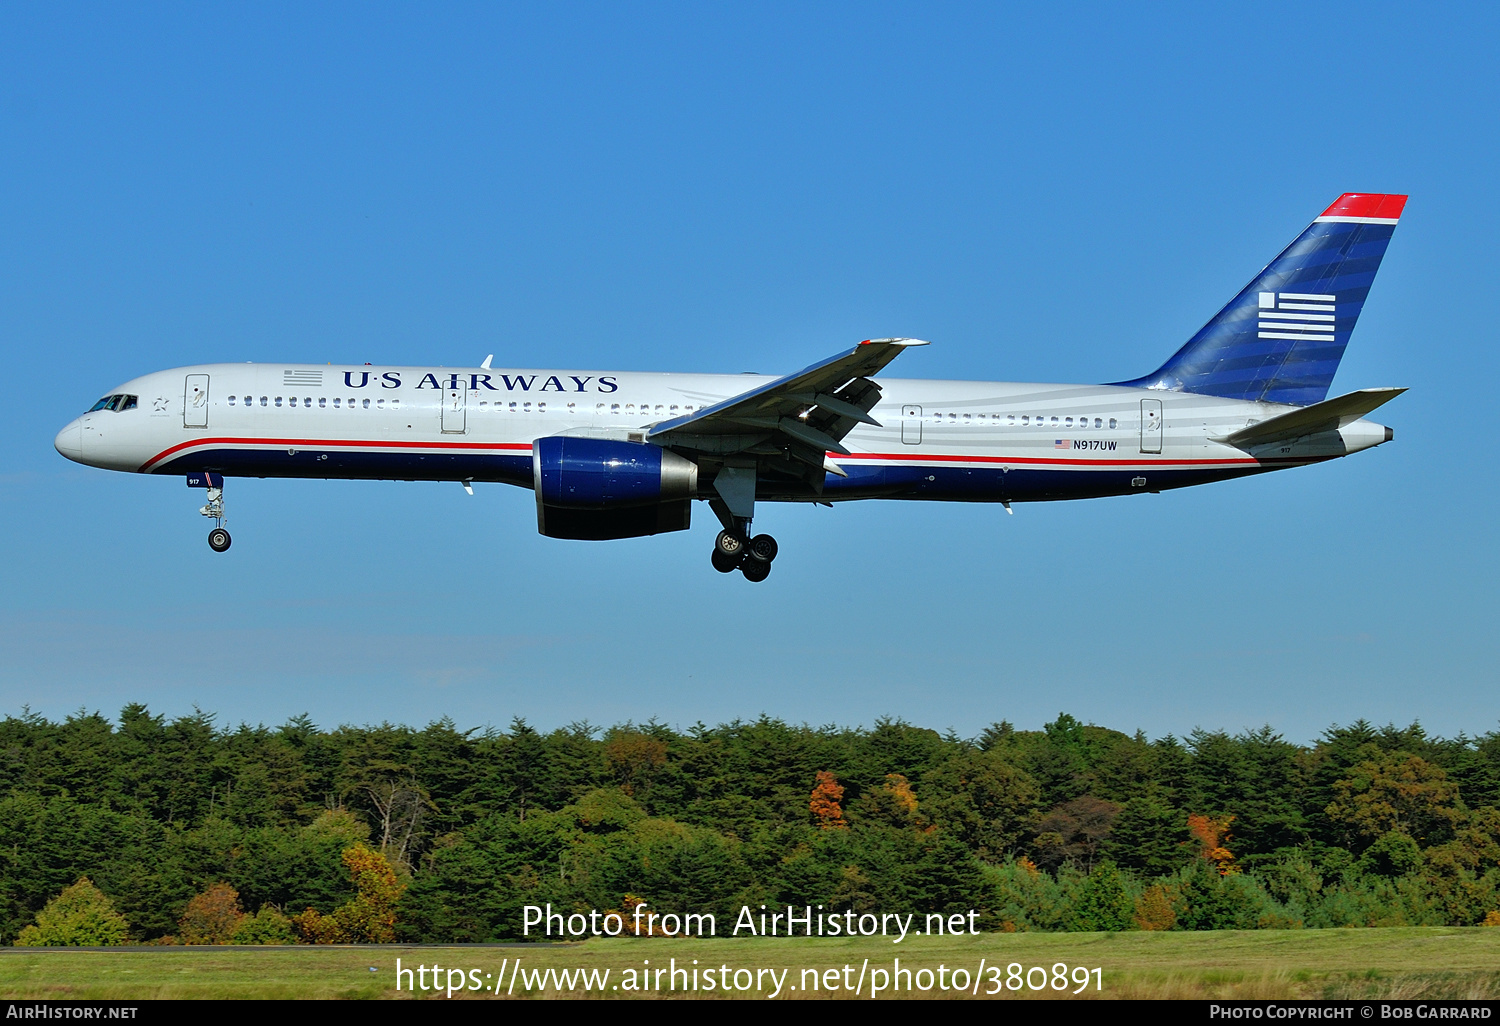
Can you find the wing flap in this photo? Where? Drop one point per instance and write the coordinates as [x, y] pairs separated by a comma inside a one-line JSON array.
[[805, 415]]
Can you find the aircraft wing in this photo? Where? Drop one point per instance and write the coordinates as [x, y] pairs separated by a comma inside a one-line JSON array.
[[793, 421], [1329, 415]]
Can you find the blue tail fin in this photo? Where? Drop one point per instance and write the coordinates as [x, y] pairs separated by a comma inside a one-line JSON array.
[[1280, 340]]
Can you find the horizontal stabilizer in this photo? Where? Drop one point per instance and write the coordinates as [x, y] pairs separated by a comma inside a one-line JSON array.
[[1329, 415]]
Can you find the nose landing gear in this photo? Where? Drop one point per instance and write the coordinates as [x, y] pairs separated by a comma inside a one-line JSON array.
[[218, 538]]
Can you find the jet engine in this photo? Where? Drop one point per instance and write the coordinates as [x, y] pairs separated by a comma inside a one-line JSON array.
[[598, 488]]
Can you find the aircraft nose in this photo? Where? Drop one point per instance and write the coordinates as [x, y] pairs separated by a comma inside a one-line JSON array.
[[69, 441]]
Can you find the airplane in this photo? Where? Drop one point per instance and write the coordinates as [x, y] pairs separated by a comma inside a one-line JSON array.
[[620, 455]]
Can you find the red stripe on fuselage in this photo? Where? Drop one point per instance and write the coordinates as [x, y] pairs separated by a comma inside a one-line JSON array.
[[903, 458]]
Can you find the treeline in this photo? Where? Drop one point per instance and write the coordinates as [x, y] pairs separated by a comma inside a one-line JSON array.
[[1070, 827]]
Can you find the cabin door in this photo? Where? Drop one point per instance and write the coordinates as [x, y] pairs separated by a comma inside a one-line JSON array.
[[195, 401], [1151, 425], [454, 422]]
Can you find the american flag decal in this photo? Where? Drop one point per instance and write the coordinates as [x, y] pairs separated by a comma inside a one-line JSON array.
[[1062, 443], [1303, 316]]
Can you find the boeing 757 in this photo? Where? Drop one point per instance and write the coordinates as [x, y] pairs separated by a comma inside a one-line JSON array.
[[621, 455]]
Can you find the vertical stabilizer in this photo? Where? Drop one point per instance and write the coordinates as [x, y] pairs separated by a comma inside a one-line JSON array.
[[1280, 340]]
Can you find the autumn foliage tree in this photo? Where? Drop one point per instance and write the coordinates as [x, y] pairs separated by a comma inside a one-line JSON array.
[[211, 917], [633, 757], [1212, 836], [825, 807], [1397, 792], [370, 916]]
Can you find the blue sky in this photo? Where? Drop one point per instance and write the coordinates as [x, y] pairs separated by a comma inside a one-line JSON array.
[[1053, 194]]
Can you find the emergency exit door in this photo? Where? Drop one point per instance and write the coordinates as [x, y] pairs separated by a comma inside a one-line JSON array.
[[911, 425], [195, 401]]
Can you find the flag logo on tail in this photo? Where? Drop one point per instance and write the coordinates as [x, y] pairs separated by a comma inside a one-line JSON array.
[[1303, 316]]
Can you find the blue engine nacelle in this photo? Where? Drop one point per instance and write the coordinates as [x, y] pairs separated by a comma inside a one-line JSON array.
[[598, 488]]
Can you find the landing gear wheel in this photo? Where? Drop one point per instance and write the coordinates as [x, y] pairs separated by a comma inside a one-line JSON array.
[[725, 564], [755, 570], [762, 547], [730, 544], [218, 539]]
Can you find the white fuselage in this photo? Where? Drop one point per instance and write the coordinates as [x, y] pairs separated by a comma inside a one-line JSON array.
[[965, 440]]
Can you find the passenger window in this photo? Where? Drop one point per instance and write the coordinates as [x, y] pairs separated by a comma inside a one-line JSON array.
[[614, 407], [278, 400], [572, 407], [1025, 420], [1011, 420], [541, 407], [366, 404], [322, 402], [249, 401], [292, 402], [1054, 421], [231, 400], [307, 401], [525, 407], [263, 400], [672, 409], [380, 404], [1069, 422], [396, 404], [335, 402], [1112, 423], [966, 418]]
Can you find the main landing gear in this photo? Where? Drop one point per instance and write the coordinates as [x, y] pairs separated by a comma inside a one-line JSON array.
[[218, 538], [752, 557]]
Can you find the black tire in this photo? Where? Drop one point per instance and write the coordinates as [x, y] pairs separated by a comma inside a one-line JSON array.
[[755, 570], [762, 547], [218, 539], [725, 564], [730, 544]]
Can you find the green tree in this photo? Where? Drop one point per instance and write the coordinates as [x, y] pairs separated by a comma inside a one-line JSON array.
[[268, 926], [1102, 901], [81, 916], [1147, 836]]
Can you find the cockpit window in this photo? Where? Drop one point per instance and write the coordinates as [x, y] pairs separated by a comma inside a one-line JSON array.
[[114, 403]]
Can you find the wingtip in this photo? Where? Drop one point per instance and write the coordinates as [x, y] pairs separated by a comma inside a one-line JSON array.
[[895, 342]]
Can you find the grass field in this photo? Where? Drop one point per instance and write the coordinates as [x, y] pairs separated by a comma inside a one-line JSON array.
[[1373, 963]]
